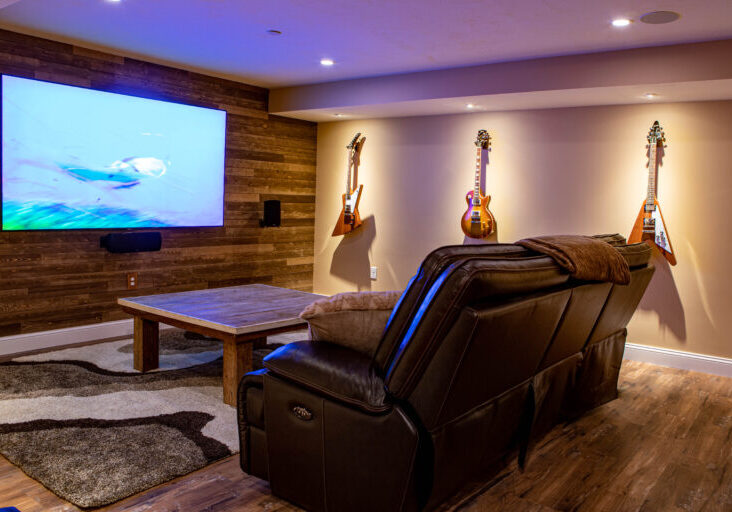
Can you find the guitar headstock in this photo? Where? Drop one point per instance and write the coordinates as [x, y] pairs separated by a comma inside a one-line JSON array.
[[359, 145], [656, 135], [353, 142], [483, 140]]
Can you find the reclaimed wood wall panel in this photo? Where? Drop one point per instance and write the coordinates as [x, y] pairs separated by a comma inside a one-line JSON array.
[[55, 279]]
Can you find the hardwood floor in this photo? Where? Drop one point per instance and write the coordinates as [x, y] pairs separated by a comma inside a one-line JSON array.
[[664, 445]]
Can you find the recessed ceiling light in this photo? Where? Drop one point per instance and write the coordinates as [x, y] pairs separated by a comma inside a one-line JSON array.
[[274, 32], [621, 22], [660, 17], [470, 106], [650, 95], [339, 115], [326, 62], [114, 1]]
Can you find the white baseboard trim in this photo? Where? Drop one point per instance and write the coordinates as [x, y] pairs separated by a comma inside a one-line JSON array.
[[19, 343], [679, 359]]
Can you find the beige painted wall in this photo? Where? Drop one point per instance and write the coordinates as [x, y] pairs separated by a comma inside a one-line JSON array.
[[575, 170]]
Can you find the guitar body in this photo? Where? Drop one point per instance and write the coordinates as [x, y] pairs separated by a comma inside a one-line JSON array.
[[657, 235], [478, 221], [347, 222]]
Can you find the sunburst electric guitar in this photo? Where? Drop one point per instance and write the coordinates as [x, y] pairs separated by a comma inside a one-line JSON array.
[[478, 221], [350, 218], [650, 227]]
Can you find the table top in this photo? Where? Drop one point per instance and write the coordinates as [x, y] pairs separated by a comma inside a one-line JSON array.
[[234, 310]]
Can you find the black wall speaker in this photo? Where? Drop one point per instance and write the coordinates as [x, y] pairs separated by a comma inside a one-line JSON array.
[[271, 214], [132, 242]]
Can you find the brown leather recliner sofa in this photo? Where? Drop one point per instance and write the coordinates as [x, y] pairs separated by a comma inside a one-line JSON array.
[[488, 348]]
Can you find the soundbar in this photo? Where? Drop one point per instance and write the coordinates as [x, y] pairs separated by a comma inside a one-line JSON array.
[[132, 242]]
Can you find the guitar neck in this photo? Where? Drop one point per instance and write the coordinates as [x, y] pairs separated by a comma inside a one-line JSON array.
[[349, 159], [476, 189], [652, 173]]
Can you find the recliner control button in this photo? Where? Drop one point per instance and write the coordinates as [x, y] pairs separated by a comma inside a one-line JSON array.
[[302, 413]]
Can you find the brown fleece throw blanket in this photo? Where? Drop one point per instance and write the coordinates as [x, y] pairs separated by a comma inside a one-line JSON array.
[[584, 257]]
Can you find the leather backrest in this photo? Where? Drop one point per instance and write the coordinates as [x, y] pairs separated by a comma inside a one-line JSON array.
[[623, 300], [487, 324], [614, 239], [578, 319], [491, 348], [432, 266], [463, 283], [589, 306], [637, 255]]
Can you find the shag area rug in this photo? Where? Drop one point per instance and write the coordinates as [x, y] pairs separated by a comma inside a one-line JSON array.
[[91, 429]]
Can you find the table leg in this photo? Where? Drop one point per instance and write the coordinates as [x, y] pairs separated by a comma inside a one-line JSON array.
[[147, 345], [237, 362]]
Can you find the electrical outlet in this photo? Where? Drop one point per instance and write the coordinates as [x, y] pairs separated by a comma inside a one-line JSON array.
[[132, 281], [373, 272]]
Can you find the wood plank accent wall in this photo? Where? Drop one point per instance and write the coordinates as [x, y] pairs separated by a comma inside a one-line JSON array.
[[55, 279]]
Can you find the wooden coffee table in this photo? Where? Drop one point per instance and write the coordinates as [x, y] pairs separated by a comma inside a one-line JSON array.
[[240, 316]]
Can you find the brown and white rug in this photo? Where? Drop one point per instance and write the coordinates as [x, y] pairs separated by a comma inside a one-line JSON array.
[[90, 428]]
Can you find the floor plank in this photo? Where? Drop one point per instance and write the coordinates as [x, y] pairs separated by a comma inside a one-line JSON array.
[[664, 445]]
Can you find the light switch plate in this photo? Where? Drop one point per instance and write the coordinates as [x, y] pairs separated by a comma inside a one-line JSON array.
[[373, 272]]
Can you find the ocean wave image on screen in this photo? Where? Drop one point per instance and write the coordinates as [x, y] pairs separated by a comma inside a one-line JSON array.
[[76, 158], [29, 216]]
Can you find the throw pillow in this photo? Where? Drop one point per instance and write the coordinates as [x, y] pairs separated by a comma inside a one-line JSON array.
[[353, 319]]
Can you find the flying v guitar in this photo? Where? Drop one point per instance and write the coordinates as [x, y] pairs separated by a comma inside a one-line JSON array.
[[478, 221], [650, 227], [350, 218]]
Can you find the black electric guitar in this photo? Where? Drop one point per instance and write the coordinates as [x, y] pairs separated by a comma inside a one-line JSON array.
[[649, 226], [350, 218]]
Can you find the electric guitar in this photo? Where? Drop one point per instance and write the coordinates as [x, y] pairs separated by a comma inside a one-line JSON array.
[[478, 221], [350, 218], [650, 227]]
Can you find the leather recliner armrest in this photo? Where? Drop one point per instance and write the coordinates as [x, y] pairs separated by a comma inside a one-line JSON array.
[[245, 410], [331, 370]]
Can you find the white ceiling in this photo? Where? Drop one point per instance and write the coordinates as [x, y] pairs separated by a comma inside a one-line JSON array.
[[365, 37]]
